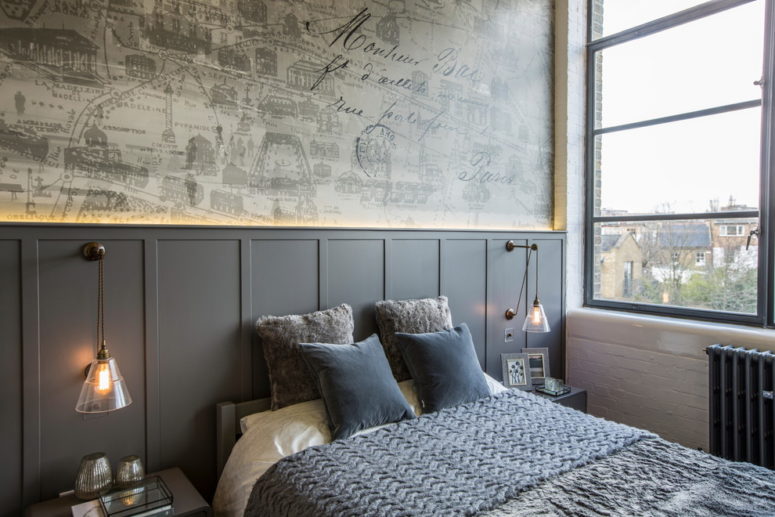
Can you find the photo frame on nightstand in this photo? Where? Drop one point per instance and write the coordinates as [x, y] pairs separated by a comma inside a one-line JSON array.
[[516, 371], [538, 359]]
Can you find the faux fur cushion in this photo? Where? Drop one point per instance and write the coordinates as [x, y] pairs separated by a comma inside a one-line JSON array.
[[411, 317], [290, 380]]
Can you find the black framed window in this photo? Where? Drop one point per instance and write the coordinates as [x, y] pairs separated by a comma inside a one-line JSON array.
[[679, 138]]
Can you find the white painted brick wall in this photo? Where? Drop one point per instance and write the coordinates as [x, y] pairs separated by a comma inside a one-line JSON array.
[[650, 372]]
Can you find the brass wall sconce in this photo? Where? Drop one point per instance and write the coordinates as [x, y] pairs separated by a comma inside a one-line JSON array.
[[536, 318], [104, 388]]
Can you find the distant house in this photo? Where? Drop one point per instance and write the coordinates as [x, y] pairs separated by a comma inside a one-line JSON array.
[[730, 241], [621, 266], [688, 246]]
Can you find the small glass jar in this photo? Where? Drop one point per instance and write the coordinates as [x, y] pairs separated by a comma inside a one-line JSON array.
[[129, 471], [94, 476]]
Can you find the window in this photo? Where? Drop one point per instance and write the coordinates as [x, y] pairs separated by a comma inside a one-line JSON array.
[[627, 287], [679, 132], [731, 230]]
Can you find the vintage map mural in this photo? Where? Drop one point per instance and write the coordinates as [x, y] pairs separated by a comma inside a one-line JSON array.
[[368, 113]]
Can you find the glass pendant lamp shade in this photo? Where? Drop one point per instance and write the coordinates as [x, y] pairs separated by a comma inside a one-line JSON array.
[[104, 388], [536, 319]]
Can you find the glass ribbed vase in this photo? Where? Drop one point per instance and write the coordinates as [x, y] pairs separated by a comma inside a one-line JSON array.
[[94, 476]]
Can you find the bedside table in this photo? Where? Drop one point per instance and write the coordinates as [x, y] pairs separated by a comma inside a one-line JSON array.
[[186, 501], [576, 398]]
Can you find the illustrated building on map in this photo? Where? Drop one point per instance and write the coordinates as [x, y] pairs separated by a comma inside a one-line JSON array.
[[231, 58], [223, 94], [266, 61], [142, 67], [169, 27], [303, 74], [388, 30], [99, 159], [63, 54], [277, 107], [26, 142], [324, 150], [233, 175], [168, 135], [281, 163], [253, 10]]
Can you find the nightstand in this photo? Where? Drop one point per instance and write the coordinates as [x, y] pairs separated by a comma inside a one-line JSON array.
[[576, 398], [186, 499]]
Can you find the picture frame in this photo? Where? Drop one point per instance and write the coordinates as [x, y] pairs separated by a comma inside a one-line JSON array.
[[538, 359], [516, 371]]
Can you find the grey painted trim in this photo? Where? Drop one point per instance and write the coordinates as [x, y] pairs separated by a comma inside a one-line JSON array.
[[747, 214], [152, 388], [30, 371], [767, 188], [227, 418], [681, 116], [388, 253], [766, 290], [322, 249], [664, 23], [246, 312]]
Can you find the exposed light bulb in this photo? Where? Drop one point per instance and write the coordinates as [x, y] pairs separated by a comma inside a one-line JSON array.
[[536, 319], [103, 378]]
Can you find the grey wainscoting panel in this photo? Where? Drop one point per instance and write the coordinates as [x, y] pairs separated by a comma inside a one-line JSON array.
[[181, 306], [504, 276], [465, 284], [356, 275], [11, 375], [551, 293], [284, 280], [68, 309], [199, 349], [414, 268]]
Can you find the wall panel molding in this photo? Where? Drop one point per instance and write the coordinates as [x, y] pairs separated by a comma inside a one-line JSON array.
[[182, 306]]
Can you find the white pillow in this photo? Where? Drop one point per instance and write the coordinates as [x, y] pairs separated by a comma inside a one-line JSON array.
[[269, 436], [313, 413]]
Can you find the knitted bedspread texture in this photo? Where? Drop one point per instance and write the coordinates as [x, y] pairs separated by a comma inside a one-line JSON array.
[[463, 460]]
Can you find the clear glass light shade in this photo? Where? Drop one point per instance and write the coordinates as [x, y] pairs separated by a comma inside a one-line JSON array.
[[536, 319], [104, 388]]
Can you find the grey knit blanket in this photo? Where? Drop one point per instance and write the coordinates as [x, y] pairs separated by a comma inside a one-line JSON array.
[[460, 461], [651, 478]]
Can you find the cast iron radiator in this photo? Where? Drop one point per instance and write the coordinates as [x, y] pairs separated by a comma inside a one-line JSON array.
[[741, 417]]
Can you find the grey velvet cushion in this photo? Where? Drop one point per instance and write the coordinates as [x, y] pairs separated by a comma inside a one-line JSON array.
[[411, 316], [357, 385], [280, 336], [444, 367]]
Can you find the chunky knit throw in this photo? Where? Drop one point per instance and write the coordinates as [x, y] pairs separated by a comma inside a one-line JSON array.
[[650, 478], [460, 461]]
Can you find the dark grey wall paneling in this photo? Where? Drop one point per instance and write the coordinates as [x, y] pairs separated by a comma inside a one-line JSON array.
[[285, 280], [11, 375], [68, 308], [356, 275], [504, 276], [414, 268], [465, 284], [199, 333], [181, 305], [550, 291]]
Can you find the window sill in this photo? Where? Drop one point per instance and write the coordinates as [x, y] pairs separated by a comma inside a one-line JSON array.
[[668, 334]]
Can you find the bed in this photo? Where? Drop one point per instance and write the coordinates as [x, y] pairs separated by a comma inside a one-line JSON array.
[[632, 474], [499, 452]]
